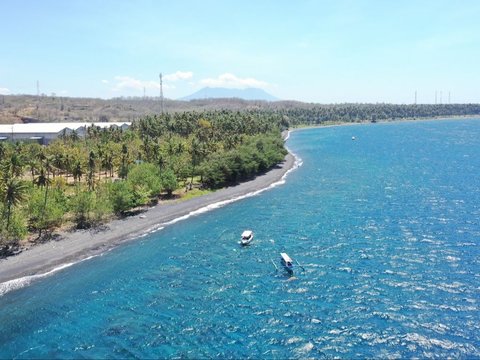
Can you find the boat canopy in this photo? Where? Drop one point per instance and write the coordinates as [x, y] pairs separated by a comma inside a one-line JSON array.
[[246, 234], [286, 258]]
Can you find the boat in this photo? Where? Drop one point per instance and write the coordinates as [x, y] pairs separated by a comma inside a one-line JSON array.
[[286, 262], [354, 138], [247, 237]]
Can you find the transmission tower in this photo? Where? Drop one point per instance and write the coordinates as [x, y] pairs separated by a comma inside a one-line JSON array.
[[161, 92], [38, 99]]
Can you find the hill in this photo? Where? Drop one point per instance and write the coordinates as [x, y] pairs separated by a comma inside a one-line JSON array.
[[225, 93], [29, 108]]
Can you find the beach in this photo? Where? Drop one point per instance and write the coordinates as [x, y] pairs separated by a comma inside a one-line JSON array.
[[72, 247]]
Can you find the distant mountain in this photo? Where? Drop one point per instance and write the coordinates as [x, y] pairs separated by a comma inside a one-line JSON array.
[[224, 93]]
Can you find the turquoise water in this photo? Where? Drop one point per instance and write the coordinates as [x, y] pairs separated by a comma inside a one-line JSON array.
[[386, 227]]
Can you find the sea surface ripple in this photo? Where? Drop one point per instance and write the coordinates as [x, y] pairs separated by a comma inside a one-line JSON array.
[[386, 228]]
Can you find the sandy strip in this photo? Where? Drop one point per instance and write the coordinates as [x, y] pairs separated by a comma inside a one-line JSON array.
[[78, 245]]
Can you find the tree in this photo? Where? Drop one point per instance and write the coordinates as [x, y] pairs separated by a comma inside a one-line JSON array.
[[169, 181], [103, 204], [123, 169], [144, 180], [42, 181], [42, 215], [91, 171], [13, 192], [121, 196], [81, 204], [195, 155]]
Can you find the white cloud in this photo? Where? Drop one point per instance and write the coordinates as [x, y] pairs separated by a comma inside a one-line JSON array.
[[231, 81], [105, 81], [179, 75], [5, 91], [130, 83]]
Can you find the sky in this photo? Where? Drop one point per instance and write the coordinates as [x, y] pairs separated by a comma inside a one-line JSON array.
[[320, 51]]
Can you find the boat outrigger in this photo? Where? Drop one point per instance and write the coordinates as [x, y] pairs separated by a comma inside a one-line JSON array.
[[247, 237], [287, 263]]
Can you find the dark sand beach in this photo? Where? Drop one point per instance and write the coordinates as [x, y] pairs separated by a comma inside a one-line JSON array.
[[78, 245]]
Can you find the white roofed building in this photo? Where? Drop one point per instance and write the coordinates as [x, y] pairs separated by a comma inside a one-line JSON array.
[[44, 133]]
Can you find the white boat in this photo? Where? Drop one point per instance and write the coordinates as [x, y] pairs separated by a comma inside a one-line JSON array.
[[247, 237], [286, 262]]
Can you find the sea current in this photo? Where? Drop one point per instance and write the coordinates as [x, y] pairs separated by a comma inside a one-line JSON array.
[[385, 231]]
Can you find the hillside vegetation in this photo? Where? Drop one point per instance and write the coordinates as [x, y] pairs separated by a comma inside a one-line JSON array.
[[27, 108]]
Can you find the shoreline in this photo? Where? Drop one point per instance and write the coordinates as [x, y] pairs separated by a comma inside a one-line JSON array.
[[73, 247], [387, 121]]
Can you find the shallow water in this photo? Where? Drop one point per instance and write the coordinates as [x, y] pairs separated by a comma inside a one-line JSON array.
[[386, 227]]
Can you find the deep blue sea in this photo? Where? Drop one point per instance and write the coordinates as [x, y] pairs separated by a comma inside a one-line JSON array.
[[387, 227]]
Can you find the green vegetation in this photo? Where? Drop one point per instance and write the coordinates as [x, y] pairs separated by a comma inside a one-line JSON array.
[[316, 114], [82, 182]]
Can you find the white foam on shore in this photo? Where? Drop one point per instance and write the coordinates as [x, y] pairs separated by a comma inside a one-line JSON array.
[[19, 283], [26, 280]]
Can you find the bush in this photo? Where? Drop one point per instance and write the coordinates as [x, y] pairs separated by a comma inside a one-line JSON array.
[[121, 197], [43, 216], [103, 204], [144, 180], [81, 204], [256, 154], [17, 230]]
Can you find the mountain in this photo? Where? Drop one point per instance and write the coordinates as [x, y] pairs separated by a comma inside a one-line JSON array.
[[223, 93]]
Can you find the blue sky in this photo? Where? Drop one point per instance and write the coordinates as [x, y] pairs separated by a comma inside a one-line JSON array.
[[315, 51]]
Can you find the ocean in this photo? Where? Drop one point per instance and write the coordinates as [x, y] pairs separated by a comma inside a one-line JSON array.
[[384, 231]]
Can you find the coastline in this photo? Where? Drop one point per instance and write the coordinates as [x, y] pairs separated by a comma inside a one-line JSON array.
[[73, 247], [77, 246], [387, 121]]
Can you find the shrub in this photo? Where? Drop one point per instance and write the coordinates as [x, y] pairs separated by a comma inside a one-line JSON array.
[[121, 197], [144, 180]]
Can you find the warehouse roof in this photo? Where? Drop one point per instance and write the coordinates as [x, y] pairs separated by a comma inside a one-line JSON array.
[[49, 128]]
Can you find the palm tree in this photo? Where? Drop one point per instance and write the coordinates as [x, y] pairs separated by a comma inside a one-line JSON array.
[[77, 171], [42, 180], [195, 153], [13, 193], [123, 169], [91, 171]]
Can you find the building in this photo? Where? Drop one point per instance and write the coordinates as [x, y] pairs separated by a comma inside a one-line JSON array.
[[43, 133]]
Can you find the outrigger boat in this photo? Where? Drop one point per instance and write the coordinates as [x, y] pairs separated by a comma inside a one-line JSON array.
[[247, 237], [287, 263]]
